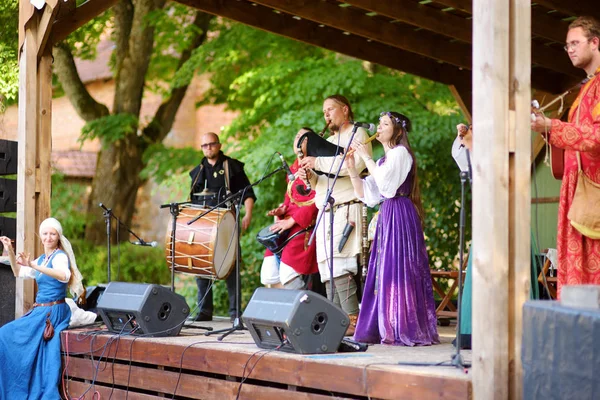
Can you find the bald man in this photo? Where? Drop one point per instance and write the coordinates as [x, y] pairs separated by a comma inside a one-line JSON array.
[[209, 176]]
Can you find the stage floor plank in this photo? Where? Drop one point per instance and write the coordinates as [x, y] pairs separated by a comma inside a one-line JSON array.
[[196, 366]]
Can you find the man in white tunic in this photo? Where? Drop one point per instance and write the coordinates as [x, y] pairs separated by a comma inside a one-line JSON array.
[[347, 208]]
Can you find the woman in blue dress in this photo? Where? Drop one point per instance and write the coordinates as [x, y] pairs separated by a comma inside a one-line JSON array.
[[397, 306], [30, 364]]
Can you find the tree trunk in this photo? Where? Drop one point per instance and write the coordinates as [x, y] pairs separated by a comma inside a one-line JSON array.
[[115, 186]]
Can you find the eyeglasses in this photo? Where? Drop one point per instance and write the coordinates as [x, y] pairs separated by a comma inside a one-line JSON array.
[[572, 45], [211, 144]]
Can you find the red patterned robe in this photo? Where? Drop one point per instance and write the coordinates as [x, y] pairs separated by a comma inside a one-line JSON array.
[[578, 256], [297, 254]]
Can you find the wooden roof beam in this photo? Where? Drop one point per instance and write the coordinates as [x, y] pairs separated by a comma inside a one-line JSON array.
[[402, 36], [573, 8], [545, 26], [420, 42], [541, 25], [332, 39], [420, 16], [82, 15], [45, 26]]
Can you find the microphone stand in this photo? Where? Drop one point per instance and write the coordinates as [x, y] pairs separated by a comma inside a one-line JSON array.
[[234, 197], [174, 209], [457, 359], [330, 201], [107, 216]]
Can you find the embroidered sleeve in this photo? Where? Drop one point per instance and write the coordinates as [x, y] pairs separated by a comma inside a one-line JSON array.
[[586, 136]]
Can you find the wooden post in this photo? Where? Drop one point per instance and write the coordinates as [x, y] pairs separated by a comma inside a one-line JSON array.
[[501, 187], [519, 192], [26, 176], [44, 142]]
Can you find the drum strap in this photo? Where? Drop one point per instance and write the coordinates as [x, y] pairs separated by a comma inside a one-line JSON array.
[[196, 181], [226, 168]]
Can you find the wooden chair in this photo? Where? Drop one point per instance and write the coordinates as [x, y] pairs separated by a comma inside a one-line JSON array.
[[551, 281], [447, 309]]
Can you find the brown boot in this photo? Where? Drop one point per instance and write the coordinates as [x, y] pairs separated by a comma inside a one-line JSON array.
[[352, 324]]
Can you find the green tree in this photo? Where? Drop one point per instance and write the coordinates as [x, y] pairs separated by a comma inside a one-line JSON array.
[[9, 71], [152, 39]]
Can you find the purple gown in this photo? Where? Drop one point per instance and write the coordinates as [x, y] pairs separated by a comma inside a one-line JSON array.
[[397, 305]]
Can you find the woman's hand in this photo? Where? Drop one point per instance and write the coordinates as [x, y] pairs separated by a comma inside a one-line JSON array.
[[283, 225], [24, 259], [278, 212], [6, 243], [360, 149], [351, 163]]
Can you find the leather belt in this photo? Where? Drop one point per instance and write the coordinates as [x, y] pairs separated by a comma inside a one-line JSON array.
[[52, 303], [336, 206]]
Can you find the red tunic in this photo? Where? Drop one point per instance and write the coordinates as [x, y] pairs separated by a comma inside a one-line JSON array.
[[578, 256], [296, 253]]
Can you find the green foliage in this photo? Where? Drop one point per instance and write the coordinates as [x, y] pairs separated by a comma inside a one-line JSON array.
[[71, 214], [9, 68], [128, 263], [84, 41], [109, 128], [174, 33]]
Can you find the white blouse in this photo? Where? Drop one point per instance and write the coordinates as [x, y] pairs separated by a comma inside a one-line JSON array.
[[387, 177], [60, 262]]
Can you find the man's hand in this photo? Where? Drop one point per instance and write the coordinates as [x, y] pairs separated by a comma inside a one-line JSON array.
[[308, 162], [246, 222], [541, 124]]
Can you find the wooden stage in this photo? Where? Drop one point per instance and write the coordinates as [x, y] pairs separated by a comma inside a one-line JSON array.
[[195, 366]]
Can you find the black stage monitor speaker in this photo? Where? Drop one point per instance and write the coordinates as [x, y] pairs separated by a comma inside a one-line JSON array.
[[296, 321], [142, 309], [8, 227], [8, 195], [8, 157]]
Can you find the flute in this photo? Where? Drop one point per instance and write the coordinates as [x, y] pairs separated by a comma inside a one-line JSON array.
[[369, 140]]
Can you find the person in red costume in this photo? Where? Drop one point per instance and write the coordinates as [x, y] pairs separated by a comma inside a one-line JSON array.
[[578, 255], [297, 261]]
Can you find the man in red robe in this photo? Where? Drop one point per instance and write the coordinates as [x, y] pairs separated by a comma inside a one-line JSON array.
[[578, 255], [297, 215]]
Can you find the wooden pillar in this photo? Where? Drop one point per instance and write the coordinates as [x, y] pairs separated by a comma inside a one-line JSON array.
[[26, 176], [520, 189], [501, 159], [35, 142]]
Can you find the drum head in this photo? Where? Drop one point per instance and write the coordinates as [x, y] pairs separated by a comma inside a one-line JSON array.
[[225, 245]]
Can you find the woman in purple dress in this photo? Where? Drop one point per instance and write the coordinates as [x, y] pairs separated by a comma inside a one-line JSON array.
[[397, 306]]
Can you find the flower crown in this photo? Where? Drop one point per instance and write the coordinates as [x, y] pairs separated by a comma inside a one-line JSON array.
[[397, 120]]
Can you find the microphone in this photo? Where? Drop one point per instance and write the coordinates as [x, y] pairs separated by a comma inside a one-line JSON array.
[[369, 127], [142, 243], [286, 167]]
